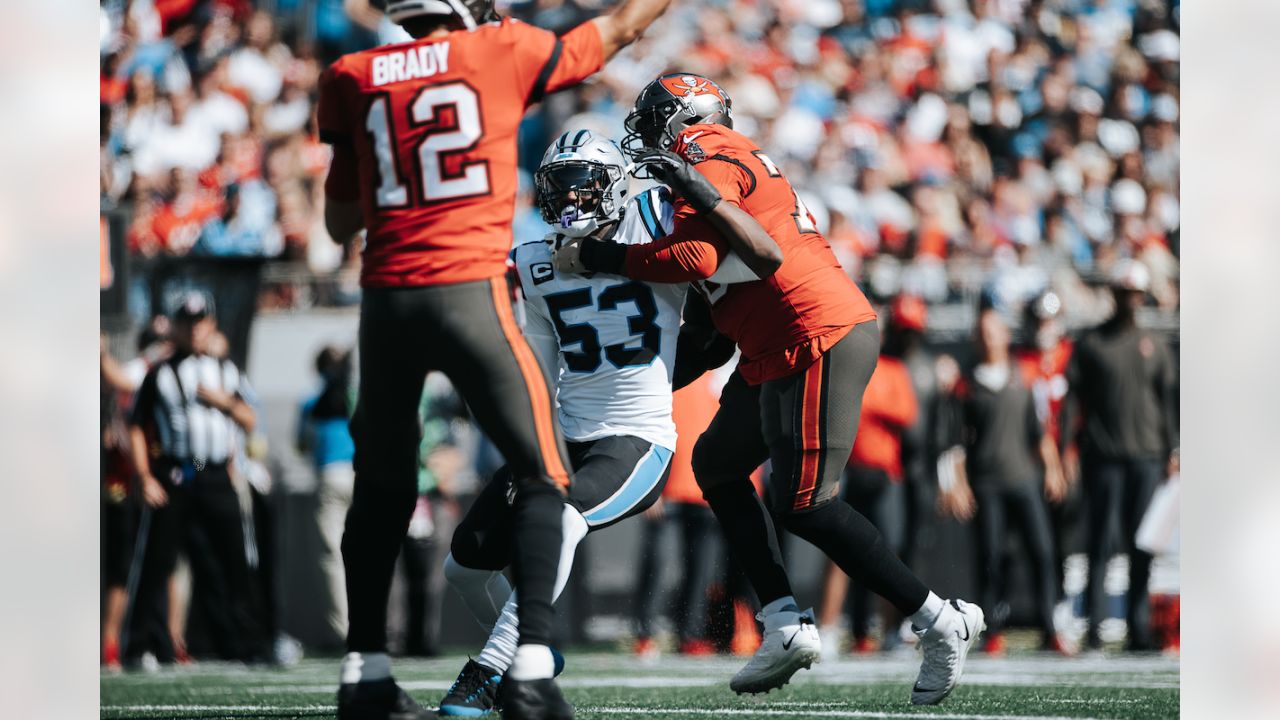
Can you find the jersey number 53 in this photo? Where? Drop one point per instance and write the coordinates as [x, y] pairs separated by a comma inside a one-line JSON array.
[[585, 335]]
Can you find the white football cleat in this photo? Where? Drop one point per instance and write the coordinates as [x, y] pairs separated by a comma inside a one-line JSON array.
[[945, 647], [790, 643]]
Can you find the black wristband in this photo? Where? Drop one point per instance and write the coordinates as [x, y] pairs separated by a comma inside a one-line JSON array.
[[603, 256], [704, 204]]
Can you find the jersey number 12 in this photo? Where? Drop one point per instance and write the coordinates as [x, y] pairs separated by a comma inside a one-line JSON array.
[[436, 144]]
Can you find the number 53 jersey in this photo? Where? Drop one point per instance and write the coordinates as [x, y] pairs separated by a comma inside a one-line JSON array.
[[432, 125], [607, 342]]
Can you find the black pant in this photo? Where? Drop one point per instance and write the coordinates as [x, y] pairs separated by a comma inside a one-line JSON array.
[[805, 424], [484, 538], [468, 332], [1118, 493], [696, 526], [1024, 507], [203, 518]]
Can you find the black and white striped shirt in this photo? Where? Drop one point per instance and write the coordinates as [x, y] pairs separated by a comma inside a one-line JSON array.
[[183, 428]]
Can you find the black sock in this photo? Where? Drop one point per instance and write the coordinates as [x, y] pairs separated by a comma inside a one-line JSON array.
[[857, 547], [536, 557], [751, 538], [374, 531]]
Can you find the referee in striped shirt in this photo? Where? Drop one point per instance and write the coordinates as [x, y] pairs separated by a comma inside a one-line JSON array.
[[184, 425]]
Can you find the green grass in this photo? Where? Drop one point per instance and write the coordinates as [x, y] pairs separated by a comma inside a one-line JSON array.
[[604, 686]]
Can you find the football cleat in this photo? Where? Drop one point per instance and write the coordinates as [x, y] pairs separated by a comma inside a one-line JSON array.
[[474, 693], [533, 700], [790, 643], [945, 646], [378, 700]]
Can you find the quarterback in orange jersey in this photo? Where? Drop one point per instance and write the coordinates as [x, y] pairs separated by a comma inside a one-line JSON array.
[[424, 161], [809, 344]]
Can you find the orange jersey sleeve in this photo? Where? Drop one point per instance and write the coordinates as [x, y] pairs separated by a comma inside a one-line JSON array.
[[784, 322], [545, 63], [338, 89], [694, 249], [581, 56]]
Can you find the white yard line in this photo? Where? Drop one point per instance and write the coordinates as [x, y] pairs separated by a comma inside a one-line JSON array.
[[814, 710], [810, 712], [273, 710], [671, 681]]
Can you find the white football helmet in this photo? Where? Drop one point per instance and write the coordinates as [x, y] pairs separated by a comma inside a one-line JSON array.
[[471, 12], [581, 184]]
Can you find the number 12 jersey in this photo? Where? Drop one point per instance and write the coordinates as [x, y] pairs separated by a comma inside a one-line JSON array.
[[433, 127]]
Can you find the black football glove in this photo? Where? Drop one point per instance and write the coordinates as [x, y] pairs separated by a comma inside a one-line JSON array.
[[681, 177]]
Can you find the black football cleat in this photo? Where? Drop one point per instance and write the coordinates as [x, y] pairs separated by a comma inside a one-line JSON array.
[[474, 693], [379, 700], [533, 700]]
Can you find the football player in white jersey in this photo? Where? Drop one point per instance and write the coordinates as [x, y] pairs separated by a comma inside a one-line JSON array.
[[608, 344]]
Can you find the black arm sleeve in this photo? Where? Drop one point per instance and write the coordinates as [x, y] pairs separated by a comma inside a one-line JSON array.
[[144, 402], [603, 256], [948, 422]]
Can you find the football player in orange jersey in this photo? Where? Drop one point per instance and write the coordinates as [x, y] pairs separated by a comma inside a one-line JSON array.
[[424, 160], [809, 344]]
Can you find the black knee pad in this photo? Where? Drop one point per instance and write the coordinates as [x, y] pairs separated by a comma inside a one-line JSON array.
[[467, 552], [708, 471]]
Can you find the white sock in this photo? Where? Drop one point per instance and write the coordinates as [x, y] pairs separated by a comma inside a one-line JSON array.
[[500, 650], [532, 662], [785, 602], [928, 613], [365, 667], [483, 591]]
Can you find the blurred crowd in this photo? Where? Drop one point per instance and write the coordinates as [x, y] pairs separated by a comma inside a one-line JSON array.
[[946, 147], [1017, 156]]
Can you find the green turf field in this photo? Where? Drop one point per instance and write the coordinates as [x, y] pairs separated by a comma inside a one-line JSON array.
[[618, 686]]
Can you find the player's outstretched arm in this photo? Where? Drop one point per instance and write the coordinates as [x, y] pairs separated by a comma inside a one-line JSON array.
[[627, 23], [748, 239], [745, 236]]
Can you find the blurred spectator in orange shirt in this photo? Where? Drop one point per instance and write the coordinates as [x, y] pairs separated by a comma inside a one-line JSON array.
[[175, 225], [874, 487]]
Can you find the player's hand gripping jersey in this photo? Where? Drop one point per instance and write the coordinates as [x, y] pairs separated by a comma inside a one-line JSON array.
[[784, 322], [608, 342], [433, 125]]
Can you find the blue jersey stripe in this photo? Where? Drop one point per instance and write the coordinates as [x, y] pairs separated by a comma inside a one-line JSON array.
[[647, 474], [649, 217]]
